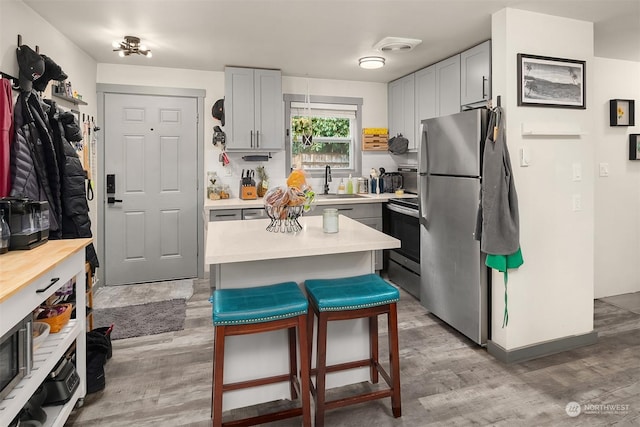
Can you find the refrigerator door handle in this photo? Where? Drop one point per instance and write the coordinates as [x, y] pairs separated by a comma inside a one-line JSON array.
[[423, 184]]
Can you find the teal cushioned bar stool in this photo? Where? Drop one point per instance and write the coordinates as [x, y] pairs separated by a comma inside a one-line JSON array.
[[366, 296], [254, 310]]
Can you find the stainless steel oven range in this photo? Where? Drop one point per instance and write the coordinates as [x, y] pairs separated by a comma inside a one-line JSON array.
[[401, 221]]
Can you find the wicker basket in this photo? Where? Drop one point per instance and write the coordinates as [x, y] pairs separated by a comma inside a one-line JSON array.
[[56, 323]]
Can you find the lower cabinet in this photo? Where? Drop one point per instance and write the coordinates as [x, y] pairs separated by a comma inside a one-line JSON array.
[[225, 215]]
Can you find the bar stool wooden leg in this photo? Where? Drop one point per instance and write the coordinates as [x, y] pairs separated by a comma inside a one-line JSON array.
[[293, 362], [218, 372], [305, 367], [373, 348], [321, 368], [394, 359]]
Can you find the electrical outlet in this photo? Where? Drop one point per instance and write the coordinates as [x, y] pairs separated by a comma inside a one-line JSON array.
[[577, 202], [228, 171]]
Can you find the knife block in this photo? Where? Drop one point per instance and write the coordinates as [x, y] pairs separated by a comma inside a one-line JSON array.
[[248, 192]]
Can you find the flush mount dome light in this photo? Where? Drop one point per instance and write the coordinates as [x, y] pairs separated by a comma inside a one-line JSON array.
[[371, 62], [130, 46], [396, 44]]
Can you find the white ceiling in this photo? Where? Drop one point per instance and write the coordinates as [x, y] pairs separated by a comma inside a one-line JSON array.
[[315, 38]]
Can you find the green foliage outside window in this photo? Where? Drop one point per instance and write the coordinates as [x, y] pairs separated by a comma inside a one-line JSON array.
[[322, 127]]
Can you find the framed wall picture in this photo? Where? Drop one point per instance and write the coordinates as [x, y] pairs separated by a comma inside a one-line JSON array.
[[622, 112], [634, 146], [551, 82]]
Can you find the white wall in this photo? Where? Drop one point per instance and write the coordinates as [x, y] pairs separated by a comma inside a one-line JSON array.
[[551, 295], [374, 112], [617, 197]]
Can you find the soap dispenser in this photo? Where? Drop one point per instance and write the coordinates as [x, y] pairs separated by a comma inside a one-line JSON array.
[[349, 185], [341, 186]]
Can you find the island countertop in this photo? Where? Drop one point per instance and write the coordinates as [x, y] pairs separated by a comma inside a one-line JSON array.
[[240, 241]]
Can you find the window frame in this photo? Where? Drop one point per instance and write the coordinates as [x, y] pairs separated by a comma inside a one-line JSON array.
[[356, 133]]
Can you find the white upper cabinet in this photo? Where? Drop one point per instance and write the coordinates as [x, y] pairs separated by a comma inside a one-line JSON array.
[[254, 109], [448, 86], [475, 74], [401, 108], [426, 107]]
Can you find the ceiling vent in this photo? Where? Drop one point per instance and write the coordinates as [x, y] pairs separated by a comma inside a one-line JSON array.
[[396, 44]]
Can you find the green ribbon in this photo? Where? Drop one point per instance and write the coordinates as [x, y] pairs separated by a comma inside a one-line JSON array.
[[503, 263]]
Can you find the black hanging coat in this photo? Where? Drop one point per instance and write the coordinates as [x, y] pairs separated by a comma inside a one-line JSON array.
[[75, 209]]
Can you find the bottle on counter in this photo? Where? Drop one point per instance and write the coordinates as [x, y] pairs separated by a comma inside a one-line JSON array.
[[349, 185], [341, 189]]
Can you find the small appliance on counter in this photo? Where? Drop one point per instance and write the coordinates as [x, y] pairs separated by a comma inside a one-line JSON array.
[[61, 383], [28, 222], [391, 181], [248, 189]]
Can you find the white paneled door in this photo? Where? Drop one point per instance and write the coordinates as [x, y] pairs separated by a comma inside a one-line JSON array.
[[151, 175]]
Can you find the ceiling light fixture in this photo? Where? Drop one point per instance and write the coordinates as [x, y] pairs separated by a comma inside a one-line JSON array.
[[371, 62], [129, 46]]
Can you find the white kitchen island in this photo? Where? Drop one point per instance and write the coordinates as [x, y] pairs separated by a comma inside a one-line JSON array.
[[244, 254]]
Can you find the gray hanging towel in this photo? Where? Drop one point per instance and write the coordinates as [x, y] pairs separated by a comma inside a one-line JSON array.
[[500, 231], [498, 219]]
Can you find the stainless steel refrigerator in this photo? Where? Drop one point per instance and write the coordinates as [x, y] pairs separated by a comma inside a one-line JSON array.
[[454, 278]]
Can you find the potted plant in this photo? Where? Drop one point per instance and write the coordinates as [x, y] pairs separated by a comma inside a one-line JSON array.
[[303, 129]]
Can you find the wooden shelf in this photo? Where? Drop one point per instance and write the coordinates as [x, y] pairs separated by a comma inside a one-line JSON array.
[[60, 95]]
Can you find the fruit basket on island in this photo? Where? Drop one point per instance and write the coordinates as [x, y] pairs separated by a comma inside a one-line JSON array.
[[284, 205]]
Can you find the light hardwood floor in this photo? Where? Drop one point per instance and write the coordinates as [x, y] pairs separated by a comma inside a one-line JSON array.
[[165, 380]]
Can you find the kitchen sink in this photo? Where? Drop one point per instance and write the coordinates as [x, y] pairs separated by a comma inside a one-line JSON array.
[[340, 196]]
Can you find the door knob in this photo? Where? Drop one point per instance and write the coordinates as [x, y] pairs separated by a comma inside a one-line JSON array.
[[112, 200]]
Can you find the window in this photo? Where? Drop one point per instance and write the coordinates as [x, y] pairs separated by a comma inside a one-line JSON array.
[[335, 127]]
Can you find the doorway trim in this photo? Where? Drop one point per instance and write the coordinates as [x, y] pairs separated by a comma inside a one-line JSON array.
[[98, 181]]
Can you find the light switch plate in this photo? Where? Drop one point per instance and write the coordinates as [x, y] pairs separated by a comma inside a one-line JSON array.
[[577, 172], [604, 169], [525, 157]]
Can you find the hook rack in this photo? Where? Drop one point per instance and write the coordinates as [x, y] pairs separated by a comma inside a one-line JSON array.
[[15, 84]]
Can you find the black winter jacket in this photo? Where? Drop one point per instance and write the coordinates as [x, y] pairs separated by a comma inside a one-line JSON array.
[[75, 209], [34, 165]]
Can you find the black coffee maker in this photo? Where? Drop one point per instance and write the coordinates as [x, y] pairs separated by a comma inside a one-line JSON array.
[[28, 222]]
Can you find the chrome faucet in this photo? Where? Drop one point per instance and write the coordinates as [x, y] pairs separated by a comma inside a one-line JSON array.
[[327, 178]]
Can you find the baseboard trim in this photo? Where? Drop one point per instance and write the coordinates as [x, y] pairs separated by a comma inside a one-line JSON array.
[[546, 348]]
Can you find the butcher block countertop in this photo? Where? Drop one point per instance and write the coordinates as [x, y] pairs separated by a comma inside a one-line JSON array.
[[19, 268], [241, 241]]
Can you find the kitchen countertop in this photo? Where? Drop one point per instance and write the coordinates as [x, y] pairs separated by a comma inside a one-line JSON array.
[[236, 203], [19, 268], [250, 241]]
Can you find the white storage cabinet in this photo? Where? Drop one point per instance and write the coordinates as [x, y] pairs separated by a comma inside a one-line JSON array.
[[254, 109], [475, 75], [28, 279]]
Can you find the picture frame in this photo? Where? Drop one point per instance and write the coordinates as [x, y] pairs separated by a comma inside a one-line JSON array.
[[551, 82], [634, 146], [622, 112]]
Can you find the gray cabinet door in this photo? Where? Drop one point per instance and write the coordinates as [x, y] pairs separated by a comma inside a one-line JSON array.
[[425, 101], [269, 110], [254, 109], [448, 86], [401, 108], [475, 74], [239, 105]]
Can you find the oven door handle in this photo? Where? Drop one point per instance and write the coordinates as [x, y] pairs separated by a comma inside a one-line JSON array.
[[402, 210]]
